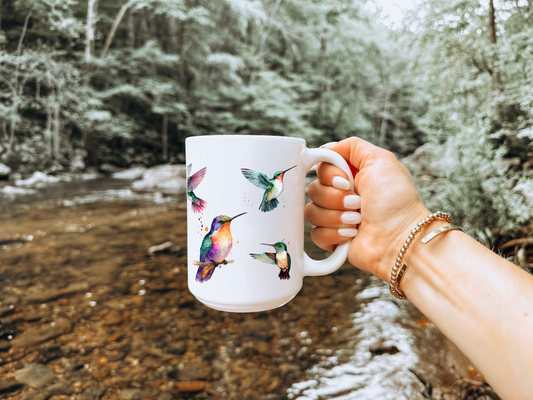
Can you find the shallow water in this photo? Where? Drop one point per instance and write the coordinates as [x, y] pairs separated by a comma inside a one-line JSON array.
[[74, 258]]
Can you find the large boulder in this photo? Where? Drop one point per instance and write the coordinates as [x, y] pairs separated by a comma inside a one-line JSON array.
[[163, 178], [4, 172]]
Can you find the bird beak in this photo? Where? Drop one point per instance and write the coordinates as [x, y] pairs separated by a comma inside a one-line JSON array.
[[237, 216], [266, 244], [289, 168]]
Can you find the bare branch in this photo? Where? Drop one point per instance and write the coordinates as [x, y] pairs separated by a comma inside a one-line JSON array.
[[210, 264]]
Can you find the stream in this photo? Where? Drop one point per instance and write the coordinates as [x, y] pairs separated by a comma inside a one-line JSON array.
[[87, 314]]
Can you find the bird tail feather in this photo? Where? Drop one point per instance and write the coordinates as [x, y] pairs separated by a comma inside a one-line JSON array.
[[198, 205], [199, 274], [265, 207], [283, 275]]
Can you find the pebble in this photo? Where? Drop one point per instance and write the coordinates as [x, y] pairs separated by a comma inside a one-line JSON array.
[[43, 333], [35, 375]]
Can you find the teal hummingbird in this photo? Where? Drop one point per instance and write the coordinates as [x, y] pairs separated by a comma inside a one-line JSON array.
[[216, 246], [281, 258], [272, 187], [197, 204]]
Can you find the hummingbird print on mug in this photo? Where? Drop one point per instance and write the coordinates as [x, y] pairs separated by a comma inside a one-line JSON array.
[[197, 204], [272, 187], [280, 258], [215, 247]]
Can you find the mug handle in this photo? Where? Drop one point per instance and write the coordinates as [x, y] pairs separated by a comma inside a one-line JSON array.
[[340, 255]]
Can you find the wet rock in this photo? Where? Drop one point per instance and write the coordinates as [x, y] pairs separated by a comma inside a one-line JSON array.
[[4, 345], [35, 375], [164, 178], [4, 172], [131, 173], [60, 389], [194, 386], [186, 374], [167, 247], [9, 385], [37, 179], [138, 394], [5, 310], [380, 348], [57, 293], [108, 168], [16, 191], [177, 348], [93, 393], [258, 328], [50, 353], [44, 333]]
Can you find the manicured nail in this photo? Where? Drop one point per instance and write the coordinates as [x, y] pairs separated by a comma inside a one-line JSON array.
[[340, 183], [351, 217], [328, 145], [348, 232], [352, 202]]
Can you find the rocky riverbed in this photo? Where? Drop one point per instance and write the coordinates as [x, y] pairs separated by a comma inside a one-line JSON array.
[[87, 314]]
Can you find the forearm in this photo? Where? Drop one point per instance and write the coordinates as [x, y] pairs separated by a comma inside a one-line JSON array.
[[483, 303]]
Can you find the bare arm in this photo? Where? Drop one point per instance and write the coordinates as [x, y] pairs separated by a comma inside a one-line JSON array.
[[483, 303]]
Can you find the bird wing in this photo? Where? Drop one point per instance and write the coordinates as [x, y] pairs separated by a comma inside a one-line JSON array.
[[194, 180], [289, 261], [269, 258], [257, 178], [207, 244]]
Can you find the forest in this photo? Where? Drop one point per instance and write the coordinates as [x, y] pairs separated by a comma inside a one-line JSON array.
[[87, 82]]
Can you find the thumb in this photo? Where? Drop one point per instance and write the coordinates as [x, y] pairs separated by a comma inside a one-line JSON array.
[[358, 152]]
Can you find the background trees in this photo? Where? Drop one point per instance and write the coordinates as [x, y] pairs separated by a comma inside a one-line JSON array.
[[126, 82]]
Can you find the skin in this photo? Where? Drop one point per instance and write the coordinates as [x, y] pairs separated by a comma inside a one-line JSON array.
[[483, 303]]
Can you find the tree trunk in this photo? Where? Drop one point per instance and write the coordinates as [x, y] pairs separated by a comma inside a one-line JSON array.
[[48, 129], [131, 30], [495, 73], [55, 141], [165, 137], [113, 30], [89, 30], [1, 12], [172, 35]]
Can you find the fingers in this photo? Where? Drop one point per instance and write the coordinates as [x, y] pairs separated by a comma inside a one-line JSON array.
[[333, 198], [319, 216], [328, 238]]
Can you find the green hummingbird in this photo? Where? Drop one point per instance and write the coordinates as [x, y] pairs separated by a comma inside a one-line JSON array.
[[272, 187], [281, 258]]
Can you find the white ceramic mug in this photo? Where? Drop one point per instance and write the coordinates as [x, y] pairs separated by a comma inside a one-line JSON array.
[[245, 220]]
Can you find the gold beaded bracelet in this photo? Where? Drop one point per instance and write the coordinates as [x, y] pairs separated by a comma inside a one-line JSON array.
[[400, 268]]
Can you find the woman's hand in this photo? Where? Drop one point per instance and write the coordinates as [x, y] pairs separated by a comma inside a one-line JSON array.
[[390, 206]]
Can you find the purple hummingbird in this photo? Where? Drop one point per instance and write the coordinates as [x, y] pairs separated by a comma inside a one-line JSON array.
[[216, 246]]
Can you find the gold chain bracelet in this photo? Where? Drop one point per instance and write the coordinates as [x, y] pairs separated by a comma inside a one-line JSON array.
[[400, 268]]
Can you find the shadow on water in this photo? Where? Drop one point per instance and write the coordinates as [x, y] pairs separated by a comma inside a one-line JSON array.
[[86, 314]]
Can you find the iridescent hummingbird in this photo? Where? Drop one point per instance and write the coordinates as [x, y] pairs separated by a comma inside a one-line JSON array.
[[215, 246], [197, 204], [281, 258], [272, 187]]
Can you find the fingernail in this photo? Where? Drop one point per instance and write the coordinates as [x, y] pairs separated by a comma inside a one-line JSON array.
[[352, 201], [341, 183], [328, 145], [348, 232], [351, 217]]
